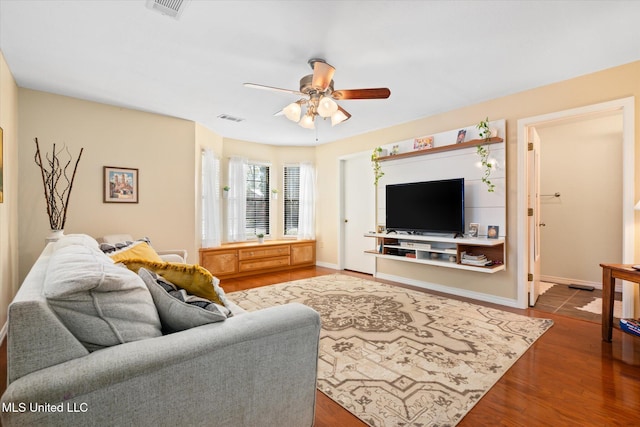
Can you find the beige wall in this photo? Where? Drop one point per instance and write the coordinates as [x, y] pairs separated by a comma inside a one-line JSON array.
[[161, 148], [615, 83], [582, 226], [9, 281]]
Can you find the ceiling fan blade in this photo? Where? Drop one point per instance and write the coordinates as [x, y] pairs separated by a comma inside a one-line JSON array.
[[322, 75], [271, 88], [373, 93]]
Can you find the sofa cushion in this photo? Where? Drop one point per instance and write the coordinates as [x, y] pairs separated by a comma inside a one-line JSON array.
[[140, 249], [193, 278], [178, 309], [102, 304]]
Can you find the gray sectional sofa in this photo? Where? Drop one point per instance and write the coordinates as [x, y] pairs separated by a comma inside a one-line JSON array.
[[252, 369]]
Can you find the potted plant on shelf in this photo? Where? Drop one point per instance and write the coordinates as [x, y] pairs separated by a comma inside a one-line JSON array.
[[483, 152], [375, 164], [225, 192], [260, 237], [274, 193]]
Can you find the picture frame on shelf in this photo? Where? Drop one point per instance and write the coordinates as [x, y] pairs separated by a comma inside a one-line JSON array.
[[462, 134], [473, 229], [423, 143], [493, 231], [120, 185]]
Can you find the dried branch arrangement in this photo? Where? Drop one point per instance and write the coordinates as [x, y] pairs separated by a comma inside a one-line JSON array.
[[56, 181]]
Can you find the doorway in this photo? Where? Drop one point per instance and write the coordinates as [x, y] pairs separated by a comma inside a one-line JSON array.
[[357, 213], [624, 108]]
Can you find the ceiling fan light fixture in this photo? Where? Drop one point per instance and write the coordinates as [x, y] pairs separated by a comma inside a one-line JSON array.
[[292, 111], [326, 107], [307, 122], [338, 117]]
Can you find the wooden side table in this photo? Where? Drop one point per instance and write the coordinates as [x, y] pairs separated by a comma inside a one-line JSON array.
[[611, 272]]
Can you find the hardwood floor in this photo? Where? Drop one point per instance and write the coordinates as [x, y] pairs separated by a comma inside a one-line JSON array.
[[569, 377]]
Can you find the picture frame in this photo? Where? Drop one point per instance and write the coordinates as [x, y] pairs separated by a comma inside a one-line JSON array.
[[473, 229], [120, 185], [493, 231], [462, 134], [423, 143]]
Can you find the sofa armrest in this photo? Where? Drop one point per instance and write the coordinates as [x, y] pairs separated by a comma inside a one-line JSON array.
[[173, 255], [258, 368]]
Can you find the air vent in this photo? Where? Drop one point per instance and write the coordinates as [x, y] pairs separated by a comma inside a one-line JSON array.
[[172, 8], [231, 118]]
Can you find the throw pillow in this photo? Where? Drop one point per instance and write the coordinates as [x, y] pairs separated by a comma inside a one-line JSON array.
[[177, 309], [102, 304], [140, 249], [193, 278]]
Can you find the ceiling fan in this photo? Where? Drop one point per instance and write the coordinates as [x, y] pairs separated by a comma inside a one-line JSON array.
[[319, 95]]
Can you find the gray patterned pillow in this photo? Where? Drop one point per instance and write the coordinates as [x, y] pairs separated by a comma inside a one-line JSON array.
[[179, 310], [101, 304]]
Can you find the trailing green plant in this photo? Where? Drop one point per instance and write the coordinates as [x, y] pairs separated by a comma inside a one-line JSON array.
[[483, 152], [375, 164], [483, 126]]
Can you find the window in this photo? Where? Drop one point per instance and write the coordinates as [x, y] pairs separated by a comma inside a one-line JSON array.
[[291, 199], [257, 191]]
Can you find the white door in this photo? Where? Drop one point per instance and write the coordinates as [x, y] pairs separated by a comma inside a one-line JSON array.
[[358, 216], [534, 223]]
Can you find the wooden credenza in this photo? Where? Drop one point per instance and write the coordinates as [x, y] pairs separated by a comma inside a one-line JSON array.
[[247, 258]]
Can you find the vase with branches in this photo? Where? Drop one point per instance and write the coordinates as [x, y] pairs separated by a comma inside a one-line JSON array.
[[55, 170]]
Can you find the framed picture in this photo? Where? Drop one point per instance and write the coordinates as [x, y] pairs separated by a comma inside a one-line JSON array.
[[462, 134], [120, 185], [493, 231], [473, 229], [423, 143]]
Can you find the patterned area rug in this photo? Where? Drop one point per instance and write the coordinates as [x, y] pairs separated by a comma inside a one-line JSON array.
[[397, 357]]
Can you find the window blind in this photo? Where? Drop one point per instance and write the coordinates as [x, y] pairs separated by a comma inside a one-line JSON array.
[[291, 199], [257, 196]]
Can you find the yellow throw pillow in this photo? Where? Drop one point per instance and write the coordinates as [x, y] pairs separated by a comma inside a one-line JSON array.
[[190, 277], [139, 250]]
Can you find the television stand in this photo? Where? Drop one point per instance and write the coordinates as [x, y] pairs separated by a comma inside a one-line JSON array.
[[461, 253], [445, 235]]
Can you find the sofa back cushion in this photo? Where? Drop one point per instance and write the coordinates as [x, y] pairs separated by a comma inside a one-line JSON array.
[[101, 303]]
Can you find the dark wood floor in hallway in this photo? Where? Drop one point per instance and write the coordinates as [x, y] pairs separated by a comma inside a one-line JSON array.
[[569, 377]]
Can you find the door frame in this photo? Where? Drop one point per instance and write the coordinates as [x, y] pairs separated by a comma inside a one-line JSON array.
[[626, 106]]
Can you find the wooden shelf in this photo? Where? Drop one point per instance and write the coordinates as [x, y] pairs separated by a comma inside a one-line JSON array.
[[450, 147], [494, 249]]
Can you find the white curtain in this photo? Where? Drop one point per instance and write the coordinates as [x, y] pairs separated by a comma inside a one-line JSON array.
[[237, 202], [211, 207], [306, 212]]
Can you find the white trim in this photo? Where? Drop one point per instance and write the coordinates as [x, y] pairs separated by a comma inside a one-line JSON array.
[[626, 106], [508, 302], [327, 265], [568, 281]]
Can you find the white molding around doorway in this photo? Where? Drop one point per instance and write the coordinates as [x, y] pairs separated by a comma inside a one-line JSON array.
[[626, 106]]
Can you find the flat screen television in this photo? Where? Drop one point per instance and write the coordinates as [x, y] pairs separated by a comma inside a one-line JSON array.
[[426, 207]]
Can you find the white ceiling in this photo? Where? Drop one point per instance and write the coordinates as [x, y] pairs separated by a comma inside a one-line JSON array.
[[435, 56]]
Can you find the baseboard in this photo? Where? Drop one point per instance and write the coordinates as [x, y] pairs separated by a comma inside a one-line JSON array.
[[568, 281], [452, 291], [327, 265]]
